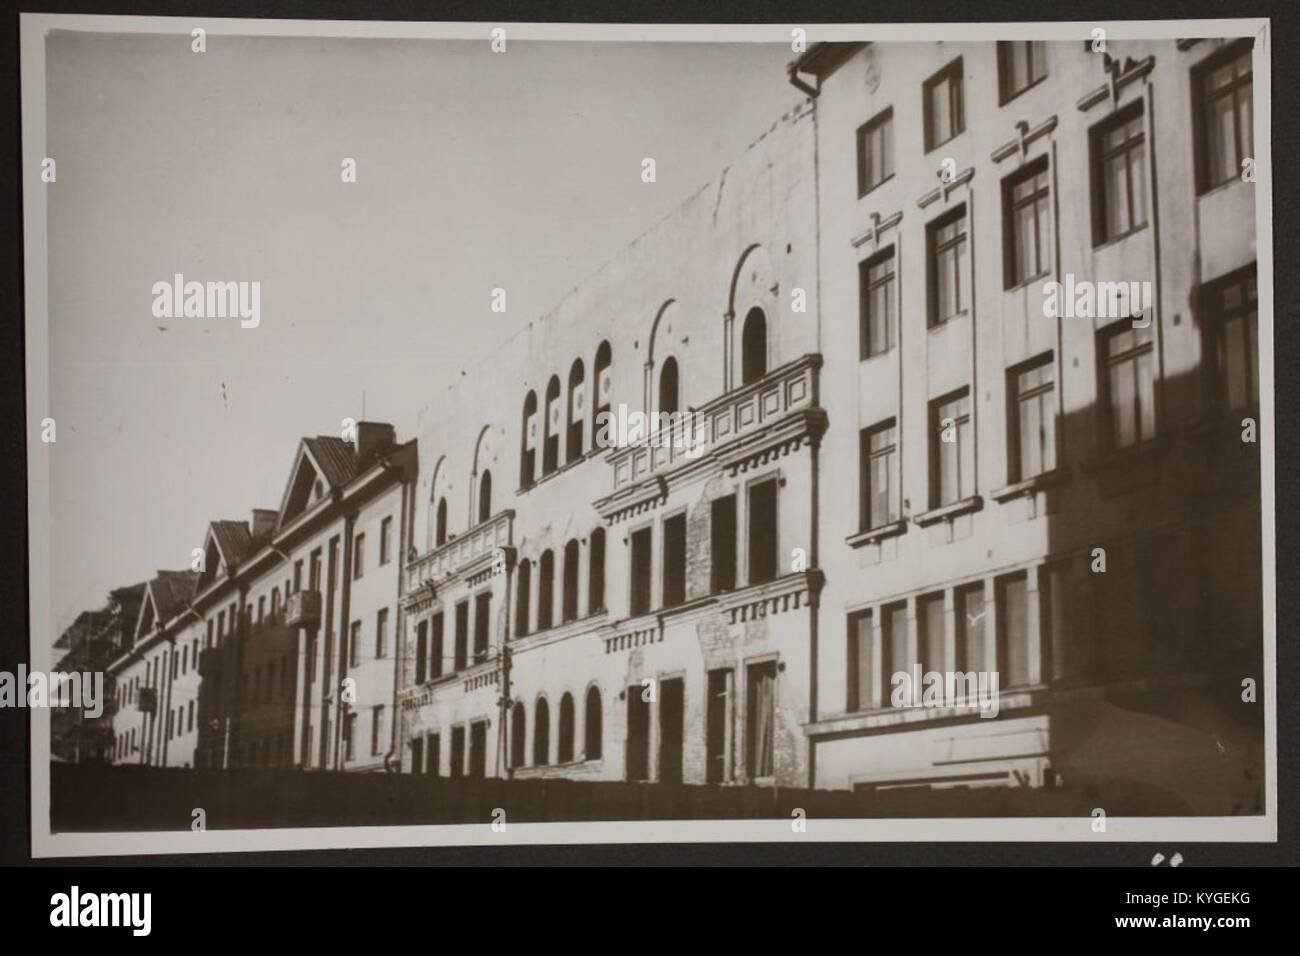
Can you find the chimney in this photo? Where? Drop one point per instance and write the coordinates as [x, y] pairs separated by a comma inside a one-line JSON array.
[[372, 438], [263, 521]]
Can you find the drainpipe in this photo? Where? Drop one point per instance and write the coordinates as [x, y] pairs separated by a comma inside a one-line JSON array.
[[166, 737], [399, 627], [345, 636]]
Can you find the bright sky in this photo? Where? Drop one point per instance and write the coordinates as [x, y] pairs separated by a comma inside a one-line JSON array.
[[474, 170]]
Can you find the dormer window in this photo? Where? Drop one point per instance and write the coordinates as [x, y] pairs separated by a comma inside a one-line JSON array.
[[316, 491]]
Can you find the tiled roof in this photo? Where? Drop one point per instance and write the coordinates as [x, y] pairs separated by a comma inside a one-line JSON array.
[[335, 458], [233, 538], [172, 590]]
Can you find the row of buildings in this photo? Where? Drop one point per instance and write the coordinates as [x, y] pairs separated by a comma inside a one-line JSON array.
[[896, 457]]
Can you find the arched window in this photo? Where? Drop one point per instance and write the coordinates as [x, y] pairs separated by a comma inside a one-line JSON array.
[[569, 609], [551, 447], [668, 386], [528, 442], [596, 572], [546, 589], [577, 407], [591, 725], [753, 347], [522, 597], [565, 743], [542, 734], [485, 496], [518, 731], [440, 524], [602, 382]]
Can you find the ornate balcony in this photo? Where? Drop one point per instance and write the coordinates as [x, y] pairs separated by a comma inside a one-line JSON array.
[[485, 548], [775, 414]]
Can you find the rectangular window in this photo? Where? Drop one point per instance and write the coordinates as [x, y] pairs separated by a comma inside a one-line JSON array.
[[385, 540], [462, 636], [762, 531], [376, 729], [952, 450], [1013, 630], [1021, 64], [970, 614], [722, 544], [261, 608], [350, 737], [760, 725], [1232, 328], [944, 114], [596, 571], [878, 322], [640, 594], [674, 560], [875, 151], [1119, 189], [1128, 384], [878, 476], [457, 755], [860, 663], [931, 649], [1026, 224], [433, 755], [421, 649], [478, 749], [381, 633], [297, 576], [1065, 619], [718, 726], [1222, 87], [208, 642], [313, 570], [482, 625], [1032, 431], [893, 651], [946, 258], [354, 645], [435, 647], [358, 556]]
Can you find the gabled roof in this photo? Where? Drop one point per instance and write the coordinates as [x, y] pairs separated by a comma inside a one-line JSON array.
[[335, 458], [233, 539], [226, 544], [164, 597], [323, 459]]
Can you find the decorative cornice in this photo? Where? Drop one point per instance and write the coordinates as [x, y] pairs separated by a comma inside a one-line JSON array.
[[1025, 136]]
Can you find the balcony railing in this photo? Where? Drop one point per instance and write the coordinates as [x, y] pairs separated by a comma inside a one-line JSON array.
[[732, 415], [452, 557], [302, 609]]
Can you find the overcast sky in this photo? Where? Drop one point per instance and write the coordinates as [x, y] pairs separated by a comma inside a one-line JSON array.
[[474, 170]]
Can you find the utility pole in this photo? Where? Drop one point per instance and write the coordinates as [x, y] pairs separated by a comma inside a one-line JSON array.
[[225, 747]]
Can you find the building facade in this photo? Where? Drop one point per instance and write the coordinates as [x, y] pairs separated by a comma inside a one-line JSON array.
[[1039, 490], [954, 372], [588, 603], [279, 649]]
